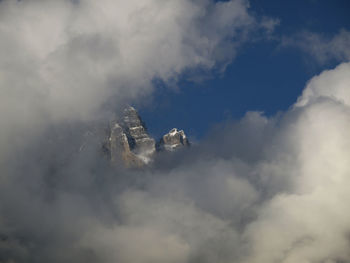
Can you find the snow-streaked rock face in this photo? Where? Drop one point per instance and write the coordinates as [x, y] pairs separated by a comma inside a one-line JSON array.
[[140, 142], [173, 140]]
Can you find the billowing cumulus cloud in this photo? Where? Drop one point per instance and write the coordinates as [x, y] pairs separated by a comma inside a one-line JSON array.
[[309, 223], [67, 59], [262, 189]]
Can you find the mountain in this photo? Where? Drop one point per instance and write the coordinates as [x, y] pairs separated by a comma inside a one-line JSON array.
[[128, 142]]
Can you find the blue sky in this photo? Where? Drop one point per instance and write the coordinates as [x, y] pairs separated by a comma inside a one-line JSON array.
[[265, 75]]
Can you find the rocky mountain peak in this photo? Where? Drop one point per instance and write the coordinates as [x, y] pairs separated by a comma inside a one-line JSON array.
[[173, 140], [130, 142]]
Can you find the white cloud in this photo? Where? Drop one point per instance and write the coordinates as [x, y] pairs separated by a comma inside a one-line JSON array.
[[331, 84], [320, 47], [71, 56]]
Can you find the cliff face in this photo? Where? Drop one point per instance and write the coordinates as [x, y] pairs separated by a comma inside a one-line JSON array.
[[129, 143], [139, 140], [119, 148]]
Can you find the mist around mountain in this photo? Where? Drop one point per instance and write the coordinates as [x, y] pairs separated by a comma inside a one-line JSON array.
[[81, 180]]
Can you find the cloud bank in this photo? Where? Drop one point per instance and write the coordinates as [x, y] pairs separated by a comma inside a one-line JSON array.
[[257, 190]]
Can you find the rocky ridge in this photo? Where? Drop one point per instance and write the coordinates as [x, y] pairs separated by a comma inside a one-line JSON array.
[[129, 143]]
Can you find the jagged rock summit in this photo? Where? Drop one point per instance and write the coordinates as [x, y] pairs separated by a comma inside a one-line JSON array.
[[129, 143], [173, 140]]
